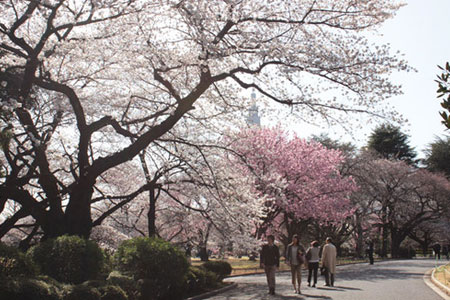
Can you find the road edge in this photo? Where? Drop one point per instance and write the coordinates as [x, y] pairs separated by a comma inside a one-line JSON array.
[[430, 281]]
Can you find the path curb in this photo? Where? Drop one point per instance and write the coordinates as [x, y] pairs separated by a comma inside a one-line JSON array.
[[428, 279], [213, 293], [439, 284]]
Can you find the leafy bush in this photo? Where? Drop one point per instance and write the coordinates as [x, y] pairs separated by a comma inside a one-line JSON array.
[[14, 263], [68, 259], [221, 268], [126, 283], [200, 280], [159, 265], [83, 292], [107, 290], [28, 289], [112, 292]]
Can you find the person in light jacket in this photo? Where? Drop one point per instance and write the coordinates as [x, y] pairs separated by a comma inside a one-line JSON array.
[[329, 262], [313, 258], [295, 258]]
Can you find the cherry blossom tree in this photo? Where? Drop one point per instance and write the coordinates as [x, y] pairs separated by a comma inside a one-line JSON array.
[[402, 197], [199, 202], [300, 180], [88, 85]]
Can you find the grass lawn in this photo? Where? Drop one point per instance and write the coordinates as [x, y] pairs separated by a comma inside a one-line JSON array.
[[243, 265], [443, 275]]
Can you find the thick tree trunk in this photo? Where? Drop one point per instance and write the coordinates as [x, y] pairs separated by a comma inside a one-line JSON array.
[[203, 253], [78, 219], [384, 233], [360, 237], [396, 240]]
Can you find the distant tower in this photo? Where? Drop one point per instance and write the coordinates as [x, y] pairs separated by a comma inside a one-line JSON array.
[[253, 115]]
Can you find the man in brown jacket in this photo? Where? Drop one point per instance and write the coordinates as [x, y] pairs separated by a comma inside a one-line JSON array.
[[329, 262], [270, 261]]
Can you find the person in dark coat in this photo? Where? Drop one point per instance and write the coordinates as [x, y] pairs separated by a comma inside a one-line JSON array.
[[369, 251], [437, 251], [270, 262], [445, 251]]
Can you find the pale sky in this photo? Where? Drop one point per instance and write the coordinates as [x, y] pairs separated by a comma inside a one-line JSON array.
[[420, 30]]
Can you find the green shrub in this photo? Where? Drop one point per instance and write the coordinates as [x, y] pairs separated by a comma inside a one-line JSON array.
[[69, 259], [126, 283], [108, 264], [221, 268], [28, 289], [107, 290], [200, 280], [14, 263], [112, 292], [159, 265], [83, 292]]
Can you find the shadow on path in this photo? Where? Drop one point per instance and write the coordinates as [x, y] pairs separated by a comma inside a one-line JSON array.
[[376, 273], [257, 292]]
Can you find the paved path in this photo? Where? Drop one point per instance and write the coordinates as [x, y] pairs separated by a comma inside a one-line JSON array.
[[389, 280]]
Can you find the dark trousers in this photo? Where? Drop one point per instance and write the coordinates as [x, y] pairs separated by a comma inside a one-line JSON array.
[[313, 267], [329, 277], [438, 255], [371, 257]]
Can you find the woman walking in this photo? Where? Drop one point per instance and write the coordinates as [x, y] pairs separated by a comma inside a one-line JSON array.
[[312, 257], [295, 258]]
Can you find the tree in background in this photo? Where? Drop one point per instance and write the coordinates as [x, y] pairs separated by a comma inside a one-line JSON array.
[[401, 197], [425, 235], [347, 149], [444, 92], [438, 156], [390, 143]]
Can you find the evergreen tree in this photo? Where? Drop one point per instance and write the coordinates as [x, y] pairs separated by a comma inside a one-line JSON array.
[[438, 156], [391, 143], [347, 149]]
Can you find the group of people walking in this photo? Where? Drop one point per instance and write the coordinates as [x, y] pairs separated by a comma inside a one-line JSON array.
[[296, 256]]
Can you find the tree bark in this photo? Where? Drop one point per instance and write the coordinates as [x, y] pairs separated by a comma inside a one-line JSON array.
[[78, 220], [151, 215]]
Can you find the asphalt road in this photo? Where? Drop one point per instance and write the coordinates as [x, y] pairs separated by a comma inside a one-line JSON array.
[[390, 280]]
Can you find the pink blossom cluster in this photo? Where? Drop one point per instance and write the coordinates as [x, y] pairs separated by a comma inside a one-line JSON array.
[[298, 176]]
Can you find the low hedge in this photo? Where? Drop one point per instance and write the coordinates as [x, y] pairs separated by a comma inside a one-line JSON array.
[[126, 283], [221, 268], [158, 266], [83, 292], [28, 289], [200, 280], [68, 259], [14, 263], [107, 290]]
